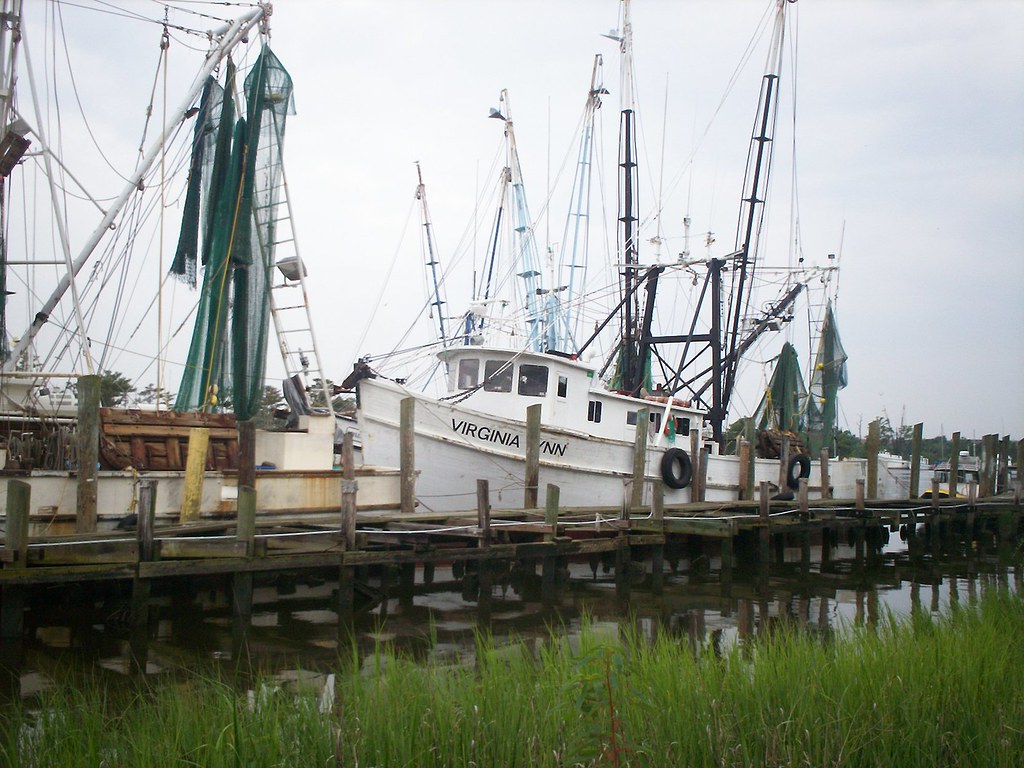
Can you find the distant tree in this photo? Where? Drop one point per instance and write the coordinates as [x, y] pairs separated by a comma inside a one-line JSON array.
[[114, 389], [266, 418], [150, 394], [848, 445], [338, 402]]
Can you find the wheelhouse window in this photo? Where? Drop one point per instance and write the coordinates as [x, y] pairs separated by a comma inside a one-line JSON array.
[[594, 411], [656, 420], [682, 425], [631, 418], [498, 376], [469, 373], [533, 380], [563, 386]]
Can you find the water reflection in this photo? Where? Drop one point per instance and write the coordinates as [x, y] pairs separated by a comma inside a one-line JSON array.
[[434, 613]]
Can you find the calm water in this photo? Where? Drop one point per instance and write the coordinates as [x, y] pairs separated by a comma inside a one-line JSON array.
[[295, 631]]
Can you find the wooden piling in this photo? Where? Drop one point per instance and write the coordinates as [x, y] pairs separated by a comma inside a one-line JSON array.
[[658, 502], [802, 494], [954, 464], [12, 596], [138, 642], [915, 460], [643, 422], [551, 513], [695, 456], [1003, 466], [935, 495], [483, 512], [784, 464], [195, 469], [989, 454], [859, 498], [242, 581], [88, 445], [764, 534], [407, 454], [146, 515], [247, 453], [873, 446], [745, 479], [702, 473], [1019, 485], [826, 479], [346, 596], [349, 490], [532, 479], [748, 435]]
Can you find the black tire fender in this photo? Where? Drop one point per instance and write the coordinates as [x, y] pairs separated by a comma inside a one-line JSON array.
[[676, 468], [799, 466]]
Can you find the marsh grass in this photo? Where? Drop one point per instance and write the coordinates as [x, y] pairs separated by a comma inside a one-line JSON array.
[[919, 691]]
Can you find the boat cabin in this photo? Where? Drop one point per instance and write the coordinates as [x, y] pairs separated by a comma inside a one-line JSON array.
[[504, 383]]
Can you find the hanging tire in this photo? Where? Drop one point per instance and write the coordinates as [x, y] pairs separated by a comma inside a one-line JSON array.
[[676, 469], [799, 467]]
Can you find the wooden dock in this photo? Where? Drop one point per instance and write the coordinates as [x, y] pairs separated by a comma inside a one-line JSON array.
[[745, 532], [347, 543]]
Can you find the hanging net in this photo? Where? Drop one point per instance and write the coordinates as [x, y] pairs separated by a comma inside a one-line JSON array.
[[240, 185], [783, 404], [827, 378]]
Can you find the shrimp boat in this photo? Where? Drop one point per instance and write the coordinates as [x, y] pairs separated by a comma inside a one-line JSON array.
[[669, 378], [218, 163]]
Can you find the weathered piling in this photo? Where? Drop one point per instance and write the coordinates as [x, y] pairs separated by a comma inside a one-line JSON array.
[[636, 497], [872, 448], [532, 479], [195, 468], [142, 587], [784, 451], [826, 480], [1003, 466], [915, 460], [550, 562], [247, 453], [696, 492], [763, 533], [954, 463], [989, 450], [407, 454], [88, 446], [349, 490], [12, 596], [745, 479], [483, 512]]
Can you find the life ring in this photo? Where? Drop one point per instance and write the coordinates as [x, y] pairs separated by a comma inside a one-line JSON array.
[[676, 469], [799, 466]]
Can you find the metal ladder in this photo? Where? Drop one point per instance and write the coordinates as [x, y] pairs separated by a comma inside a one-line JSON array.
[[289, 299]]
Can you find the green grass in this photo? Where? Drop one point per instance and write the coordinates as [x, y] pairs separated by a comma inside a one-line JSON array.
[[913, 692]]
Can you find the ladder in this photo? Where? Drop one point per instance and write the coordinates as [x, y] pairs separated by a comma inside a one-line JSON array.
[[289, 299]]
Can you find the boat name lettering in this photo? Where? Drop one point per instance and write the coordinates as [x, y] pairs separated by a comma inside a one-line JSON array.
[[511, 439], [469, 429]]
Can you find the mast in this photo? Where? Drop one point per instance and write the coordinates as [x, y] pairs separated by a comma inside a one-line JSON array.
[[527, 262], [236, 32], [574, 242], [12, 145], [726, 341], [432, 262], [631, 365], [752, 208]]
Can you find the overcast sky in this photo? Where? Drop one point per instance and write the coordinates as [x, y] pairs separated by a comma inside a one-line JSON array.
[[909, 147]]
